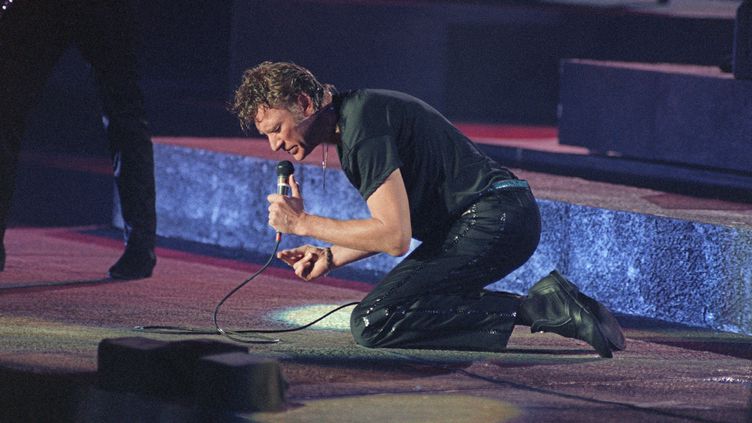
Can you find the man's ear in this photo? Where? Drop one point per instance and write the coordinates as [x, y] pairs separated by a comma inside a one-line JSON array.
[[306, 104]]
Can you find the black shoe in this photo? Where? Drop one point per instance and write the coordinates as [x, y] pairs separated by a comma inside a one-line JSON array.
[[135, 263], [608, 324], [555, 305]]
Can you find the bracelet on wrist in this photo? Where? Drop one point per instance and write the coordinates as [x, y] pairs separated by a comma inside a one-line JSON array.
[[329, 258]]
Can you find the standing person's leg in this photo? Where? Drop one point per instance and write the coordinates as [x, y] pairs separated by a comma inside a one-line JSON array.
[[107, 37], [435, 297], [32, 38]]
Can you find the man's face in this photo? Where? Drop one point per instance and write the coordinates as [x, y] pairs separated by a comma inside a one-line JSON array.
[[280, 126]]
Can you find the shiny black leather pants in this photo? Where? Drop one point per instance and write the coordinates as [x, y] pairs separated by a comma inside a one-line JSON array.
[[435, 297], [33, 36]]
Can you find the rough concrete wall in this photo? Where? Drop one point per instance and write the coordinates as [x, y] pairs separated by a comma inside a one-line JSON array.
[[669, 269]]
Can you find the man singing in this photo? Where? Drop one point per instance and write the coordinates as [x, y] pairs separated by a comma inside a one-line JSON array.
[[421, 178]]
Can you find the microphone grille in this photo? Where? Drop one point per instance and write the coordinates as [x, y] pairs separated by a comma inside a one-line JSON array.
[[285, 168]]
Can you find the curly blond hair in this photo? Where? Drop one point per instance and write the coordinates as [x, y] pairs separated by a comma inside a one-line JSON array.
[[274, 84]]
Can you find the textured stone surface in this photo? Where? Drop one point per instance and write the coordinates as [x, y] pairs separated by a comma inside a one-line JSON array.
[[646, 265], [697, 272]]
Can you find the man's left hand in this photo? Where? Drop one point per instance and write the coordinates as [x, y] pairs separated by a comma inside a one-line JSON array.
[[308, 262]]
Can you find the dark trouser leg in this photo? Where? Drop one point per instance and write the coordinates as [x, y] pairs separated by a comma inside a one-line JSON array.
[[133, 165], [435, 297], [32, 38], [107, 39]]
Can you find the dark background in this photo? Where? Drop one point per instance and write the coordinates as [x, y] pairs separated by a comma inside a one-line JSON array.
[[492, 62]]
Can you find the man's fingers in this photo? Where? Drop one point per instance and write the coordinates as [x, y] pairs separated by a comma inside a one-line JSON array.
[[303, 267], [303, 261], [289, 260], [294, 187], [290, 256]]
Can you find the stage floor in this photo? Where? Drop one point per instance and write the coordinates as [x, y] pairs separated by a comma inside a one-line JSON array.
[[56, 307], [698, 9]]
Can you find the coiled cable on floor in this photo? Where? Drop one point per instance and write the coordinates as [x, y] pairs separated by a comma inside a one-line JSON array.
[[244, 335]]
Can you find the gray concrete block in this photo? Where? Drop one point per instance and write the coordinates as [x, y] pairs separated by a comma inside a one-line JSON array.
[[239, 381], [131, 364], [157, 368]]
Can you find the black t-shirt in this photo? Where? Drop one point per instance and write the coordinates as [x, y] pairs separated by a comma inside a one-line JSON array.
[[444, 172]]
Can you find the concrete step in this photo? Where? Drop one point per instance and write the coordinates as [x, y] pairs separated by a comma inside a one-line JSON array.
[[640, 251], [681, 114]]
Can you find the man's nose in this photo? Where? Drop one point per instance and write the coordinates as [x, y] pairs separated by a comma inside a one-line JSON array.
[[275, 142]]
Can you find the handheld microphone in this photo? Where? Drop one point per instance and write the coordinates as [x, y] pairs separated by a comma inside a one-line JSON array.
[[284, 170]]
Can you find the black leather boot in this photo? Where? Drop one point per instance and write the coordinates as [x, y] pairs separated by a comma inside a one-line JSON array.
[[555, 304], [134, 176], [137, 262], [135, 182], [608, 323]]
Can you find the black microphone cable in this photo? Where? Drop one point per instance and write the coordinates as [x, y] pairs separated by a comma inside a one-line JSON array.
[[241, 335], [234, 335]]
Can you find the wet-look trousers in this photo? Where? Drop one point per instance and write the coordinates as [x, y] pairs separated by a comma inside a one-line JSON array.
[[435, 297], [33, 36]]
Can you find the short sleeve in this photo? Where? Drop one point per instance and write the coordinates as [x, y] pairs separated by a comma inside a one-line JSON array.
[[372, 160]]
